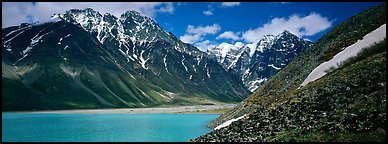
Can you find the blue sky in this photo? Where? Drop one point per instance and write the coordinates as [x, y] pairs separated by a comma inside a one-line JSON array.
[[205, 24]]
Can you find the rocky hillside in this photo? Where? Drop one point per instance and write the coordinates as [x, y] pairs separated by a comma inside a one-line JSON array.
[[256, 63], [347, 104], [83, 59]]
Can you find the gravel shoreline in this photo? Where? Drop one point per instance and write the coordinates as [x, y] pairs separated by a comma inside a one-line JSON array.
[[157, 110]]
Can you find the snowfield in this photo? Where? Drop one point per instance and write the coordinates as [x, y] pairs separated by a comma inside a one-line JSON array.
[[370, 39], [227, 123]]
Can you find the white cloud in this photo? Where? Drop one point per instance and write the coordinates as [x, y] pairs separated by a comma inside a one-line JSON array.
[[189, 38], [213, 29], [300, 26], [169, 8], [230, 4], [306, 39], [228, 35], [204, 45], [195, 34], [14, 13], [208, 12]]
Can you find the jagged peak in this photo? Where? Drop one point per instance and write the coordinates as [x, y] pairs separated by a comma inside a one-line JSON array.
[[133, 12], [136, 16], [86, 11], [130, 25], [267, 36], [109, 17], [285, 33]]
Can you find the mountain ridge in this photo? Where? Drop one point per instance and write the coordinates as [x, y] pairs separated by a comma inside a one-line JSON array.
[[103, 66], [258, 62]]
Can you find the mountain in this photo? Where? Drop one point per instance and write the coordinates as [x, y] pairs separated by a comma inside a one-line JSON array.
[[348, 103], [256, 63], [83, 59]]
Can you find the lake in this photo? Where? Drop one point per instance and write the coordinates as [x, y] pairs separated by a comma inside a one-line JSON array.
[[23, 127]]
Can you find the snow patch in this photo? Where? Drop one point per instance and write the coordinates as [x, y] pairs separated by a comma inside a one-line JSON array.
[[184, 63], [195, 70], [271, 65], [252, 49], [199, 60], [371, 38], [208, 73], [280, 50], [68, 71], [165, 64], [227, 123], [253, 85], [128, 57], [34, 41], [142, 61]]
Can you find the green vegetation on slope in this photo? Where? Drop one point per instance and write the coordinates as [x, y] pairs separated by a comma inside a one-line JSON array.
[[348, 104], [68, 68], [352, 98], [290, 77]]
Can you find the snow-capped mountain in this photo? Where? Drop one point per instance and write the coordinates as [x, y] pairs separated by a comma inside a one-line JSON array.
[[88, 60], [130, 32], [258, 62]]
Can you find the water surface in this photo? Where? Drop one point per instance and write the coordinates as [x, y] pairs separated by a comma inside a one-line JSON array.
[[21, 127]]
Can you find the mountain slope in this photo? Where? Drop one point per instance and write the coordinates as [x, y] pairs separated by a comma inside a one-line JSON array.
[[89, 60], [347, 104], [257, 63]]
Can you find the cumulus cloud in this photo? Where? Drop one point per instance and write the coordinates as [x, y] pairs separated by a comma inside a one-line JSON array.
[[230, 4], [169, 8], [208, 12], [195, 34], [300, 26], [190, 38], [14, 13], [204, 45], [212, 29], [229, 35]]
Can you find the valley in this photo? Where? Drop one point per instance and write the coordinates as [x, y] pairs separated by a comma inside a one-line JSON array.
[[135, 72]]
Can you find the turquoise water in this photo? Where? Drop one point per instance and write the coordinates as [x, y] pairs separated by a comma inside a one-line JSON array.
[[17, 127]]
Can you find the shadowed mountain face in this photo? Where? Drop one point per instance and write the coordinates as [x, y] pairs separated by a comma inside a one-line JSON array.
[[88, 60]]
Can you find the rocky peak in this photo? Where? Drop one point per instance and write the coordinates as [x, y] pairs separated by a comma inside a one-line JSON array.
[[258, 62], [109, 18], [265, 42], [286, 32], [137, 18], [86, 18], [286, 35], [130, 27]]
